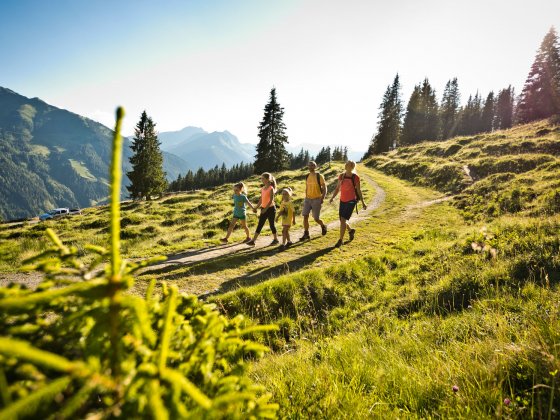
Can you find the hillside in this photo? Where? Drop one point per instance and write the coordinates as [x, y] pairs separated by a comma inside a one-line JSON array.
[[51, 157], [505, 172], [444, 305]]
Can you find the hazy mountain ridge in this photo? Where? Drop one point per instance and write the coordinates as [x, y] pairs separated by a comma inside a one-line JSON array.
[[52, 157], [202, 149]]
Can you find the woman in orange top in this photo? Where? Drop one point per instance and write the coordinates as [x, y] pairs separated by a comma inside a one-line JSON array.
[[350, 193], [268, 208]]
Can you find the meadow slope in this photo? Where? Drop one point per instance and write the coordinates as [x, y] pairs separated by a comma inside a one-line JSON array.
[[445, 304]]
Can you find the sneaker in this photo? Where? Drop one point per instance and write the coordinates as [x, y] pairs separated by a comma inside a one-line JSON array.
[[274, 242], [289, 243], [351, 233], [246, 240], [338, 244], [305, 236], [250, 243], [224, 240], [281, 247], [324, 230]]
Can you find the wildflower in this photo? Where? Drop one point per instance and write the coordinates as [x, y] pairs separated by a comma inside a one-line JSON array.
[[455, 388], [507, 401]]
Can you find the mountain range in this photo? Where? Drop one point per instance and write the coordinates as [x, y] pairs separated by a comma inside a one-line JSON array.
[[199, 148], [51, 157]]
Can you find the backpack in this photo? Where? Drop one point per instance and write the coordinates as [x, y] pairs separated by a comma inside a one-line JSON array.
[[358, 197]]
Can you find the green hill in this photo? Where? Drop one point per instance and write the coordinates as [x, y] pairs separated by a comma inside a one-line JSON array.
[[50, 157], [445, 304]]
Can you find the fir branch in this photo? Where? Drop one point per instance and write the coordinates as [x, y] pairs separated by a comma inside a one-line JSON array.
[[174, 377], [28, 405], [19, 302], [167, 328]]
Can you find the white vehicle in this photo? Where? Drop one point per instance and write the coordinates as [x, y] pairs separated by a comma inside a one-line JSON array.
[[60, 212]]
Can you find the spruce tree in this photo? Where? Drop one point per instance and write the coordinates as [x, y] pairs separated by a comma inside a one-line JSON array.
[[540, 97], [449, 110], [430, 127], [470, 116], [389, 124], [271, 150], [488, 112], [147, 177], [412, 118], [421, 121], [504, 108]]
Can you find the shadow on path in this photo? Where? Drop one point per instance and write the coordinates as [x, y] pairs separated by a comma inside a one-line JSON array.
[[263, 273]]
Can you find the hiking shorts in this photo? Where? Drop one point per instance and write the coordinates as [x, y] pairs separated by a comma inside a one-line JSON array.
[[240, 215], [346, 209], [312, 205]]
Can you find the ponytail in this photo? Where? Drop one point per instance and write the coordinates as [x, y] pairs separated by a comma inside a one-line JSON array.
[[270, 179]]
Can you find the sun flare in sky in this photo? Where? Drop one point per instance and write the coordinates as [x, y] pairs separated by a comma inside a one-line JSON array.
[[211, 64]]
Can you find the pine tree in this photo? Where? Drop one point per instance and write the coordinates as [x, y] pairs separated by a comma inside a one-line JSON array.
[[449, 110], [421, 121], [389, 125], [540, 97], [504, 108], [412, 118], [488, 112], [147, 177], [271, 150], [430, 129], [470, 116]]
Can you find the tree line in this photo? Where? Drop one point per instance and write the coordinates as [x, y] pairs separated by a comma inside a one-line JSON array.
[[427, 119], [212, 177]]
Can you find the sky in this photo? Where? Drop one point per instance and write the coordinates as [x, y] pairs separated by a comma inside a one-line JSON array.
[[212, 63]]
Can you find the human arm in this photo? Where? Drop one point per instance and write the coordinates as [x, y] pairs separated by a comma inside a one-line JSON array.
[[323, 186], [259, 203], [250, 204], [336, 190], [360, 195]]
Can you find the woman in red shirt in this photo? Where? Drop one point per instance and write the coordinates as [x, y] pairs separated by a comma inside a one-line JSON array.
[[350, 193]]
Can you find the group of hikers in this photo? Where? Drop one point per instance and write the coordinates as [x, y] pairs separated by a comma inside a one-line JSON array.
[[315, 193]]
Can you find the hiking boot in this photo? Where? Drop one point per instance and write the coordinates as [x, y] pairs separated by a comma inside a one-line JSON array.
[[250, 243], [351, 233], [246, 240], [274, 242], [282, 247], [305, 236], [323, 230], [338, 244], [224, 240], [289, 243]]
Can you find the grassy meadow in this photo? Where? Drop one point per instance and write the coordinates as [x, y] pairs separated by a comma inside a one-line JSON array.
[[446, 304]]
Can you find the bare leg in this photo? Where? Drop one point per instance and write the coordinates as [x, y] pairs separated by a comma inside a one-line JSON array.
[[319, 221], [342, 227], [285, 234], [306, 223], [244, 225], [288, 234], [230, 228]]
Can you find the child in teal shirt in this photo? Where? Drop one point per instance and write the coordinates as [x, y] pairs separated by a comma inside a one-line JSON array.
[[240, 202]]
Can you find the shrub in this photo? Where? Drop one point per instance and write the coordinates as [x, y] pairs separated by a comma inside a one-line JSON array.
[[79, 346]]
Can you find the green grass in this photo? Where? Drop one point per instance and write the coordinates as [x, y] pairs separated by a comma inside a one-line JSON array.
[[171, 225], [81, 169], [431, 295]]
